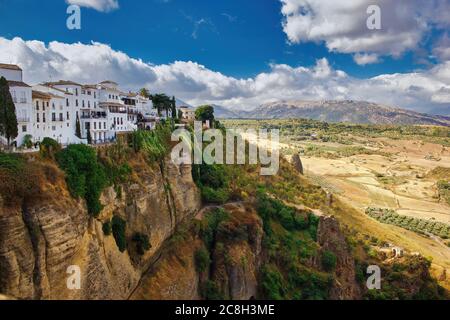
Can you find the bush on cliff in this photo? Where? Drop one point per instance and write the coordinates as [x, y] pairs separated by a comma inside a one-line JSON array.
[[49, 148], [142, 243], [202, 260], [85, 176], [19, 181], [329, 261], [118, 229]]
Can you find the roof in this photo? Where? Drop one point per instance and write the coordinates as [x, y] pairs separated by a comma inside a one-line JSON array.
[[109, 81], [63, 83], [90, 86], [10, 66], [56, 89], [41, 95], [18, 84]]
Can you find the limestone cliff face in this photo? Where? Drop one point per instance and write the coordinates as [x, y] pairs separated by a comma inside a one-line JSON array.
[[331, 238], [237, 253], [39, 241]]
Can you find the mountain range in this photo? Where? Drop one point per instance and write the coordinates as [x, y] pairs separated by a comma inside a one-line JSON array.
[[351, 111]]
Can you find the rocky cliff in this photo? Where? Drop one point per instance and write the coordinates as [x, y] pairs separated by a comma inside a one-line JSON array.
[[41, 239]]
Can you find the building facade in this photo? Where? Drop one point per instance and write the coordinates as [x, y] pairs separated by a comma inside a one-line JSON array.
[[70, 113]]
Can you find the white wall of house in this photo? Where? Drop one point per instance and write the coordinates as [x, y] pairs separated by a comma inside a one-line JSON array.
[[11, 75]]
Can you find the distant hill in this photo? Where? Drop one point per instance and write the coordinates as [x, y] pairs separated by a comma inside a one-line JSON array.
[[342, 111], [225, 113]]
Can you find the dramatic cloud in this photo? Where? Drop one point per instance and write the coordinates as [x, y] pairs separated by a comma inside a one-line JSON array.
[[363, 59], [342, 25], [99, 5], [426, 91]]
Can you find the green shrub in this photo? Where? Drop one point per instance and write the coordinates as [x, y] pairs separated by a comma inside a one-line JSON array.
[[202, 260], [28, 141], [211, 291], [118, 229], [328, 261], [85, 176], [272, 283], [19, 180], [49, 148], [142, 243], [107, 228], [219, 196], [155, 143]]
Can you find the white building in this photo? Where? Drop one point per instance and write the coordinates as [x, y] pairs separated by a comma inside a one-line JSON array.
[[21, 94], [53, 110]]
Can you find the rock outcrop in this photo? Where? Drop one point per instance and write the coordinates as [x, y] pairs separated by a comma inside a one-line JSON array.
[[332, 239], [40, 241]]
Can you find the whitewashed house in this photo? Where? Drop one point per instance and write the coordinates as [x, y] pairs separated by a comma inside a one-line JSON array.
[[21, 94]]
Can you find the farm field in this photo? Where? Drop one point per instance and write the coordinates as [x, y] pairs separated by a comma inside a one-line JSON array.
[[376, 167]]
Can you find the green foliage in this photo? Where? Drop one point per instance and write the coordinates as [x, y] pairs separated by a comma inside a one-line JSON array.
[[18, 180], [155, 144], [204, 113], [161, 102], [210, 224], [289, 238], [202, 260], [420, 226], [142, 243], [211, 291], [444, 190], [272, 283], [328, 261], [8, 119], [119, 232], [107, 229], [78, 128], [213, 182], [85, 176], [28, 141], [49, 148]]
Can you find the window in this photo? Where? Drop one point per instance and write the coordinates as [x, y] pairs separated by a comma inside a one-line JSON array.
[[53, 106], [43, 117], [53, 128], [68, 115], [104, 125], [67, 102], [48, 103], [76, 92], [23, 97], [37, 117], [37, 104], [95, 125], [53, 116], [95, 95], [24, 128], [86, 125], [82, 103], [76, 102], [13, 93], [61, 118]]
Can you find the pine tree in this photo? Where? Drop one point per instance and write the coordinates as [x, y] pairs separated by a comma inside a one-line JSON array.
[[8, 119], [78, 128], [89, 137], [174, 108]]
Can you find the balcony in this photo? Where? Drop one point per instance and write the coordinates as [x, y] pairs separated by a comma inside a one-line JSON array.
[[94, 115], [23, 119]]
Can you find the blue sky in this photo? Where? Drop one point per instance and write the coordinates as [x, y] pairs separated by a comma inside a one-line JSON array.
[[236, 37], [306, 49]]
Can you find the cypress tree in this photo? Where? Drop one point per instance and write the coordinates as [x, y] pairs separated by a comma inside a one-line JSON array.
[[8, 119]]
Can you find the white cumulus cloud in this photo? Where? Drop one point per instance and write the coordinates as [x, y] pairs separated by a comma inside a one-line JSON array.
[[99, 5], [342, 25], [425, 91]]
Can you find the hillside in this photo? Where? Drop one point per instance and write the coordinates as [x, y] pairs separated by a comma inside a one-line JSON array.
[[343, 111]]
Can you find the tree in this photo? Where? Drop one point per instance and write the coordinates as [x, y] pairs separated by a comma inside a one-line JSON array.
[[78, 128], [174, 108], [144, 92], [89, 137], [8, 119], [162, 102], [205, 113]]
